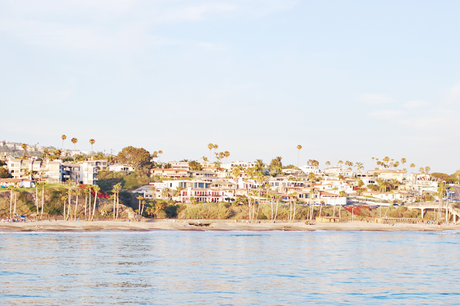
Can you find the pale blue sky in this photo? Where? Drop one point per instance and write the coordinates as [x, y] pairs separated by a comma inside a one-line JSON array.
[[346, 79]]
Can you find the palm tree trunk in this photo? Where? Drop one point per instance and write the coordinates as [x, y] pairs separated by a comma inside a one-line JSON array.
[[64, 209], [37, 201], [94, 208], [293, 216], [86, 204], [76, 207], [118, 204], [15, 201], [276, 213], [68, 210], [333, 214], [271, 209], [43, 198], [114, 200], [89, 205], [320, 209], [11, 201]]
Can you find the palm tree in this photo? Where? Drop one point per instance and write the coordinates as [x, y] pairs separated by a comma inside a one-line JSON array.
[[165, 193], [373, 158], [236, 172], [328, 163], [403, 161], [210, 147], [278, 198], [24, 147], [10, 188], [64, 200], [77, 193], [74, 141], [299, 147], [42, 185], [312, 193], [441, 192], [96, 190], [92, 141], [215, 147], [86, 191], [386, 160], [342, 194], [159, 153], [227, 155], [427, 170], [63, 137], [117, 191], [293, 196], [140, 198]]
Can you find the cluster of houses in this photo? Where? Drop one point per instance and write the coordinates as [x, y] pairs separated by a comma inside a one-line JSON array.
[[333, 186], [25, 172], [211, 184]]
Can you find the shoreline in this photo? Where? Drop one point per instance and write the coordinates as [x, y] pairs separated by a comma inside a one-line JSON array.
[[212, 225]]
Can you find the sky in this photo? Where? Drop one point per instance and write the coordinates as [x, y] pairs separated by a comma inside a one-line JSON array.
[[347, 80]]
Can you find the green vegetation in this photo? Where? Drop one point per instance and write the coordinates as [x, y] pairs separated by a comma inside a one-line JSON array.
[[139, 158], [131, 181]]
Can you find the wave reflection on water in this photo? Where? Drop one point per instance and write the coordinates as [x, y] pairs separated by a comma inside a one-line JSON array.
[[233, 268]]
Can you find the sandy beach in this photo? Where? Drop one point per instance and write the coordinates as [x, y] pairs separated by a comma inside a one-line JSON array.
[[219, 225]]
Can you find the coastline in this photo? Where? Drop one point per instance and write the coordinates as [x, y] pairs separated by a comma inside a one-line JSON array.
[[213, 225]]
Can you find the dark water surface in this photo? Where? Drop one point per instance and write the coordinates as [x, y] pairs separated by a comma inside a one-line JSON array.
[[230, 268]]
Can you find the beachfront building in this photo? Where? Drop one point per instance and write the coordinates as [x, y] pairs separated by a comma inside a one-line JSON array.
[[311, 169], [20, 183], [89, 169], [121, 168], [241, 164], [32, 169], [170, 172], [206, 195], [388, 175]]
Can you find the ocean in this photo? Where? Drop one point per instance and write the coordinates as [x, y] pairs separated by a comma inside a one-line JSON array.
[[229, 268]]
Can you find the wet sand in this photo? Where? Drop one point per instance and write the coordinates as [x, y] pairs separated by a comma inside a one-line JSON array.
[[201, 225]]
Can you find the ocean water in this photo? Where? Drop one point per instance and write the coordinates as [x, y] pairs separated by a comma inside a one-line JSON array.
[[230, 268]]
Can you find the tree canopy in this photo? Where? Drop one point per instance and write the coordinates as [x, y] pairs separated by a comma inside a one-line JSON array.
[[139, 158]]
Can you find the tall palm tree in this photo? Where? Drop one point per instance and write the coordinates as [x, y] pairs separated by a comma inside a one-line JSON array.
[[92, 141], [427, 170], [63, 137], [140, 198], [373, 158], [159, 153], [96, 190], [328, 163], [10, 188], [85, 192], [210, 147], [24, 147], [441, 192], [77, 193], [117, 189], [403, 161], [64, 200], [278, 198], [74, 141], [227, 155], [299, 147], [386, 160], [215, 147], [312, 193]]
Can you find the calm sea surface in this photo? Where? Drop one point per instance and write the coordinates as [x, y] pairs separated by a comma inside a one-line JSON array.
[[230, 268]]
